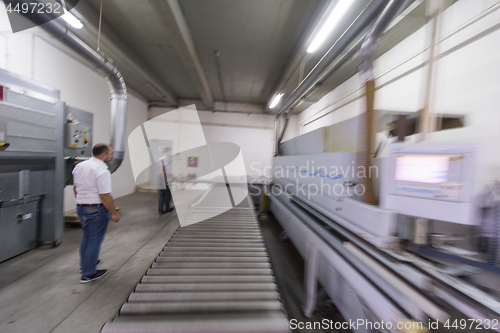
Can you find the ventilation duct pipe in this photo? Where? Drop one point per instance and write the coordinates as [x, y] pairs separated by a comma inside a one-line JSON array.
[[366, 127], [118, 90], [364, 20], [276, 135]]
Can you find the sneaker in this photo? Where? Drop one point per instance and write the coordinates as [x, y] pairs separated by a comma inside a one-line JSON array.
[[95, 276], [98, 263]]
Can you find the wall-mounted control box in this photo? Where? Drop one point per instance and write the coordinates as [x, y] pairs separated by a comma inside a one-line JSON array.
[[78, 136]]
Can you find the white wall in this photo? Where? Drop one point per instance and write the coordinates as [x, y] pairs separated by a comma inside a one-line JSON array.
[[35, 55], [467, 82], [253, 133]]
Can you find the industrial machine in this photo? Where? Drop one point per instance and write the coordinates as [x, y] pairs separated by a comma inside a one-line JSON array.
[[412, 260], [35, 136]]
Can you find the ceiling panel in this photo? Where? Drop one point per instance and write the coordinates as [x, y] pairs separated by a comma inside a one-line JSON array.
[[137, 24], [255, 39], [167, 66], [135, 21]]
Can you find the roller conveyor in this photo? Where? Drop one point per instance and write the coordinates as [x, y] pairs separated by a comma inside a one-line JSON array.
[[213, 276], [210, 265], [163, 286]]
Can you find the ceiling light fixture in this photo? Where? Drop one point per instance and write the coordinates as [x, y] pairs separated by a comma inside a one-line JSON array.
[[70, 18], [337, 13], [275, 100]]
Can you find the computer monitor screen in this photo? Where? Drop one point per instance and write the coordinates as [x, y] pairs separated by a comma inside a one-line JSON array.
[[423, 168], [436, 177]]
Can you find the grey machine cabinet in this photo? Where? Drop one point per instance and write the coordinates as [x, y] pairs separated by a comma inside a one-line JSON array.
[[18, 228], [31, 165]]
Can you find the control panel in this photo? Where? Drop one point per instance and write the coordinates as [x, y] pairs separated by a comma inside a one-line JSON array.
[[78, 136], [431, 181]]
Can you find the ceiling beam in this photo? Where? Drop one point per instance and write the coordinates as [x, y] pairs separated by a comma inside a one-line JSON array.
[[219, 106], [172, 19], [115, 48]]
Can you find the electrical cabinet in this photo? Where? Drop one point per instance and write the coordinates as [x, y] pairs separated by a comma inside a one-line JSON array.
[[78, 136], [18, 228], [31, 165]]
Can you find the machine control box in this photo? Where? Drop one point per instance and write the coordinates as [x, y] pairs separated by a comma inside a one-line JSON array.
[[78, 136], [431, 181]]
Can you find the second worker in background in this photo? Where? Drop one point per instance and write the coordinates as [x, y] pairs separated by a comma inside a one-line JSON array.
[[164, 194]]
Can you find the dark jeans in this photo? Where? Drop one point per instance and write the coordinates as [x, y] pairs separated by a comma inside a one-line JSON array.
[[164, 200], [94, 224]]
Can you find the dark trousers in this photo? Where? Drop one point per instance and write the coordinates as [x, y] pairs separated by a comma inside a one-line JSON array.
[[94, 224], [164, 200]]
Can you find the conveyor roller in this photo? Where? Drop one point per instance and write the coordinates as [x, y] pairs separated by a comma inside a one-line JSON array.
[[213, 276]]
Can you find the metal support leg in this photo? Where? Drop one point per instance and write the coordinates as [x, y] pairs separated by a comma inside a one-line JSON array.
[[421, 230], [311, 282]]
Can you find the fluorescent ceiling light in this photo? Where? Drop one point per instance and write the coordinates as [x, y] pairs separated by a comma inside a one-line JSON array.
[[70, 18], [331, 21], [275, 100], [73, 21]]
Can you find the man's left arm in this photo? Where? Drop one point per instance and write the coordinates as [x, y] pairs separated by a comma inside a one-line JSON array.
[[107, 201], [103, 183]]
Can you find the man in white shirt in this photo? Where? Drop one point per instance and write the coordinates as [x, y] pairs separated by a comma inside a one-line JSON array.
[[94, 205]]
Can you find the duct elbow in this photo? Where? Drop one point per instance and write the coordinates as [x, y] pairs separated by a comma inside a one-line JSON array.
[[118, 131], [116, 161]]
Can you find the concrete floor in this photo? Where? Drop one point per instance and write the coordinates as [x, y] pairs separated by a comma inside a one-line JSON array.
[[40, 289]]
